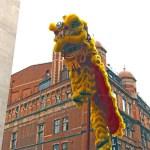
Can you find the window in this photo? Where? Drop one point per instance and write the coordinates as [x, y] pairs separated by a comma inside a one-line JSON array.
[[131, 133], [142, 116], [42, 100], [40, 133], [129, 109], [144, 139], [25, 105], [13, 140], [127, 147], [44, 84], [132, 148], [64, 74], [65, 146], [119, 145], [57, 124], [47, 74], [124, 104], [58, 99], [68, 93], [114, 139], [65, 124], [17, 111], [128, 132], [48, 95], [56, 147]]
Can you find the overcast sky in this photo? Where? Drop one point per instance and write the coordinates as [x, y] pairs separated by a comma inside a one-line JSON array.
[[121, 26]]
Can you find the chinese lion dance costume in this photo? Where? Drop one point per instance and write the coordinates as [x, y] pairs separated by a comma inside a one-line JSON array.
[[88, 75]]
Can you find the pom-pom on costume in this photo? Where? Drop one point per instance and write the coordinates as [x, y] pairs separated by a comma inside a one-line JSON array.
[[88, 75]]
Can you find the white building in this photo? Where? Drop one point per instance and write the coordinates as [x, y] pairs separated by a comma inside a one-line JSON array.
[[8, 23]]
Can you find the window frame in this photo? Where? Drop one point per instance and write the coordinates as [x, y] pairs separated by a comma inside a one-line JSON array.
[[13, 141], [65, 124], [129, 108], [57, 99], [55, 145], [57, 126], [40, 133], [65, 143]]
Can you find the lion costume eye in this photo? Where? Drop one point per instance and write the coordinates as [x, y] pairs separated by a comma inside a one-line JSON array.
[[75, 23], [59, 25]]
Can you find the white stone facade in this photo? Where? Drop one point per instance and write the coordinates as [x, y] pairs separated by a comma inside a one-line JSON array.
[[9, 10]]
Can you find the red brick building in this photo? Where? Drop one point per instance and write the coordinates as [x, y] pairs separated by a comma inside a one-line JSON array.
[[42, 116]]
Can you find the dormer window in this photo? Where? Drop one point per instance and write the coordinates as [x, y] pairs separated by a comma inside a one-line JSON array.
[[47, 74], [46, 82]]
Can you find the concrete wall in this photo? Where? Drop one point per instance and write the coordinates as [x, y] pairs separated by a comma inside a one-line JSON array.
[[8, 24]]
